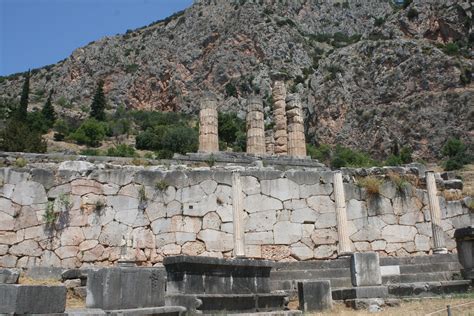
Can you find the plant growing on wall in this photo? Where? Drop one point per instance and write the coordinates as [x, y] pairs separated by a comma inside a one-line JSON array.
[[161, 185], [371, 184], [50, 216]]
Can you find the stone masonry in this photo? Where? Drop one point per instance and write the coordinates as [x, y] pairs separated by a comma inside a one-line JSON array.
[[269, 142], [208, 129], [279, 113], [296, 136], [75, 214], [255, 127]]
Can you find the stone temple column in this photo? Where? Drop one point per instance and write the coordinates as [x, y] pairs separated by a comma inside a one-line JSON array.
[[435, 212], [344, 245], [279, 114], [269, 142], [255, 127], [296, 137], [237, 208], [208, 135]]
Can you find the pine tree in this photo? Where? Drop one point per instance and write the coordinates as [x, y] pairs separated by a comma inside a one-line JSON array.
[[22, 110], [98, 103], [48, 110]]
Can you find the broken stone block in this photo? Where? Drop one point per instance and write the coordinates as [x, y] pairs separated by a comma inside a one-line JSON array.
[[365, 269], [9, 276], [126, 288], [32, 299], [315, 296]]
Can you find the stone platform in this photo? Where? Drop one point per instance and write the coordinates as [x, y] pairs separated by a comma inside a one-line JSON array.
[[211, 285]]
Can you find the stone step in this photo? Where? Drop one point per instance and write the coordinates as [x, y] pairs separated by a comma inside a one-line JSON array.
[[152, 311], [313, 265], [310, 274], [421, 277], [229, 303], [390, 261], [434, 267], [292, 285], [426, 289], [279, 313], [360, 292]]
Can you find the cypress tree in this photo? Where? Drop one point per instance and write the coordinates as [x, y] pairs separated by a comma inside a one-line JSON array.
[[48, 110], [98, 103], [22, 110]]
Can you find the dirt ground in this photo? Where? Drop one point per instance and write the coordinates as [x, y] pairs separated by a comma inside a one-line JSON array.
[[461, 305]]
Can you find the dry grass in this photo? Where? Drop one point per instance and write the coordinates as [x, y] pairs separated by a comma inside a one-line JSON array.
[[452, 195], [467, 175], [417, 307], [74, 301], [29, 281], [371, 184]]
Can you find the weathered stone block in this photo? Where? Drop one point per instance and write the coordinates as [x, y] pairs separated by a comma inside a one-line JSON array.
[[32, 299], [315, 296], [125, 288], [365, 269], [9, 276]]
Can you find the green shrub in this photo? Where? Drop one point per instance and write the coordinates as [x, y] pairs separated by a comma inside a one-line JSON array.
[[164, 154], [90, 133], [17, 136], [122, 150], [180, 139], [412, 14], [91, 152], [232, 131], [379, 21], [230, 90], [455, 150], [451, 49], [322, 152], [346, 157]]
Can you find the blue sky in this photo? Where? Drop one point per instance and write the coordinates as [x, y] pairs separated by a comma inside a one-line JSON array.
[[35, 33]]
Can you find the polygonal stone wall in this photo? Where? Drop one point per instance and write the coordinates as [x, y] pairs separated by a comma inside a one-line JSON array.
[[107, 212]]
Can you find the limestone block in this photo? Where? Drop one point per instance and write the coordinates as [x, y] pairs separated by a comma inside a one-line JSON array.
[[78, 166], [259, 238], [10, 238], [315, 189], [282, 189], [191, 194], [7, 207], [165, 239], [143, 238], [122, 202], [287, 233], [365, 269], [356, 209], [26, 248], [93, 255], [378, 205], [7, 222], [259, 203], [9, 276], [83, 186], [250, 185], [27, 217], [260, 221], [453, 208], [174, 208], [113, 234], [194, 248], [184, 237], [398, 233], [304, 215], [211, 221], [326, 220], [362, 246], [72, 236], [325, 251], [28, 193], [8, 261], [225, 213], [227, 228], [300, 251], [209, 186], [155, 210], [378, 245], [322, 204], [367, 233], [411, 218], [216, 240], [422, 243], [315, 296], [88, 244], [171, 250], [324, 237], [3, 250], [295, 204], [68, 251], [200, 208], [224, 194]]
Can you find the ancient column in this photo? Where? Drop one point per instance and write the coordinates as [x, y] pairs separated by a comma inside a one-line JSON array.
[[344, 245], [296, 137], [237, 209], [255, 126], [435, 212], [269, 142], [208, 137], [279, 115]]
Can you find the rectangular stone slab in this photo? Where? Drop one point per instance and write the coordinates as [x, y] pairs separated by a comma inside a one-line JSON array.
[[126, 288], [32, 299], [365, 269], [205, 275], [315, 296]]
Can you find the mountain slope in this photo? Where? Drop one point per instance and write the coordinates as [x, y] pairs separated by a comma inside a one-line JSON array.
[[369, 73]]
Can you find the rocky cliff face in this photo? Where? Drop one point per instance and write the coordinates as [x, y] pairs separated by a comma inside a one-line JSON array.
[[369, 73]]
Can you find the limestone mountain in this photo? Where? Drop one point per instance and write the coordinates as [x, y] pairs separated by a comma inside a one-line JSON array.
[[370, 73]]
